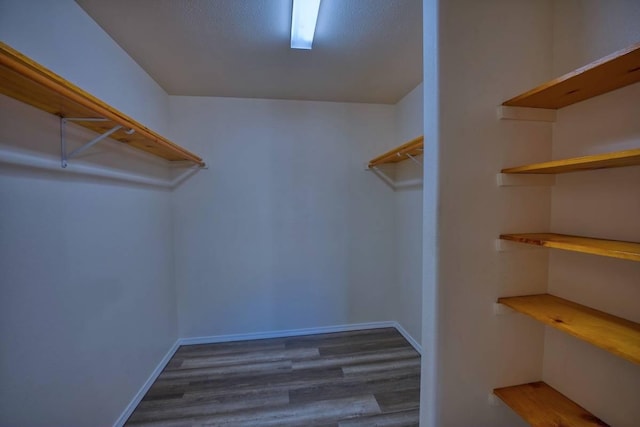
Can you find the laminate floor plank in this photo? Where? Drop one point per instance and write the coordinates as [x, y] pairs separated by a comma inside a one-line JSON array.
[[248, 358], [366, 368], [233, 346], [360, 378], [191, 408], [350, 388], [341, 338], [216, 400], [265, 379], [393, 401], [355, 359], [349, 348], [395, 419], [242, 383], [164, 396]]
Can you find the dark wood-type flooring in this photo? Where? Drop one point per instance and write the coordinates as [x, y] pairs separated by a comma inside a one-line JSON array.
[[363, 378]]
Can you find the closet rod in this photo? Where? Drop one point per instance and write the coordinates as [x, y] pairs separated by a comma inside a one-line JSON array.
[[46, 163]]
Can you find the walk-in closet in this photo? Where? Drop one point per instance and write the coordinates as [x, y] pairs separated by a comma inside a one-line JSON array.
[[320, 213]]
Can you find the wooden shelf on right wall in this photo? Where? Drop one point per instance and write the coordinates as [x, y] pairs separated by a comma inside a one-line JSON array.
[[543, 406], [611, 333], [589, 245], [612, 72], [538, 403], [598, 161]]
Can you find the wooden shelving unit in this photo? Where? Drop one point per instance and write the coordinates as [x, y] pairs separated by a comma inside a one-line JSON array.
[[543, 406], [537, 403], [614, 334], [398, 154], [612, 72], [597, 161], [588, 245], [29, 82]]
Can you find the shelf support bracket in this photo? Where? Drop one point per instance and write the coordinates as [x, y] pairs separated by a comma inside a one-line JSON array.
[[416, 161], [526, 114], [525, 180], [493, 400], [501, 309], [391, 183], [63, 140], [384, 177]]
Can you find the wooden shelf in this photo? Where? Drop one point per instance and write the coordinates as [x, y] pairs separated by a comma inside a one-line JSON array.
[[588, 245], [29, 82], [614, 334], [543, 406], [612, 72], [597, 161], [398, 154]]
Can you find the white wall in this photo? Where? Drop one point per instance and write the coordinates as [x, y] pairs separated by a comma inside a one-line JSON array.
[[603, 203], [61, 36], [87, 302], [487, 52], [408, 285], [286, 229]]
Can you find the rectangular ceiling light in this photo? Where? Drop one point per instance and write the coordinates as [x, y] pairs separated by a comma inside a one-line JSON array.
[[303, 23]]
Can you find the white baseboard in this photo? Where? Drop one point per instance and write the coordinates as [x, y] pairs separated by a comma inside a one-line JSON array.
[[305, 331], [285, 333], [408, 337], [255, 336], [146, 386]]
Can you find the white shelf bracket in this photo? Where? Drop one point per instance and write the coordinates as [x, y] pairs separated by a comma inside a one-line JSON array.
[[526, 114], [416, 161], [502, 245], [493, 400], [414, 183], [501, 309], [525, 180], [64, 156], [384, 177]]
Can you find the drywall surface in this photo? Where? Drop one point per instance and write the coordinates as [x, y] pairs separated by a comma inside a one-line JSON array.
[[587, 30], [88, 303], [488, 52], [285, 229], [408, 285], [87, 306], [61, 36], [603, 203]]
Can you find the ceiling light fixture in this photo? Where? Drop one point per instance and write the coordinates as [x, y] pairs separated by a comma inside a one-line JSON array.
[[303, 23]]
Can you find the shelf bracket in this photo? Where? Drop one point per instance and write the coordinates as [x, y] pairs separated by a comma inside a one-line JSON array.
[[64, 156], [384, 177], [501, 309], [526, 114], [525, 180], [494, 400], [502, 245], [416, 161], [391, 183]]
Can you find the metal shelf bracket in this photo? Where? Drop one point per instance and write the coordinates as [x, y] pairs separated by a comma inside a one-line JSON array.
[[64, 156], [391, 183], [416, 161]]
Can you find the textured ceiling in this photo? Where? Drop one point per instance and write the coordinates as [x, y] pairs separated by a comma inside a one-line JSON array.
[[364, 50]]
